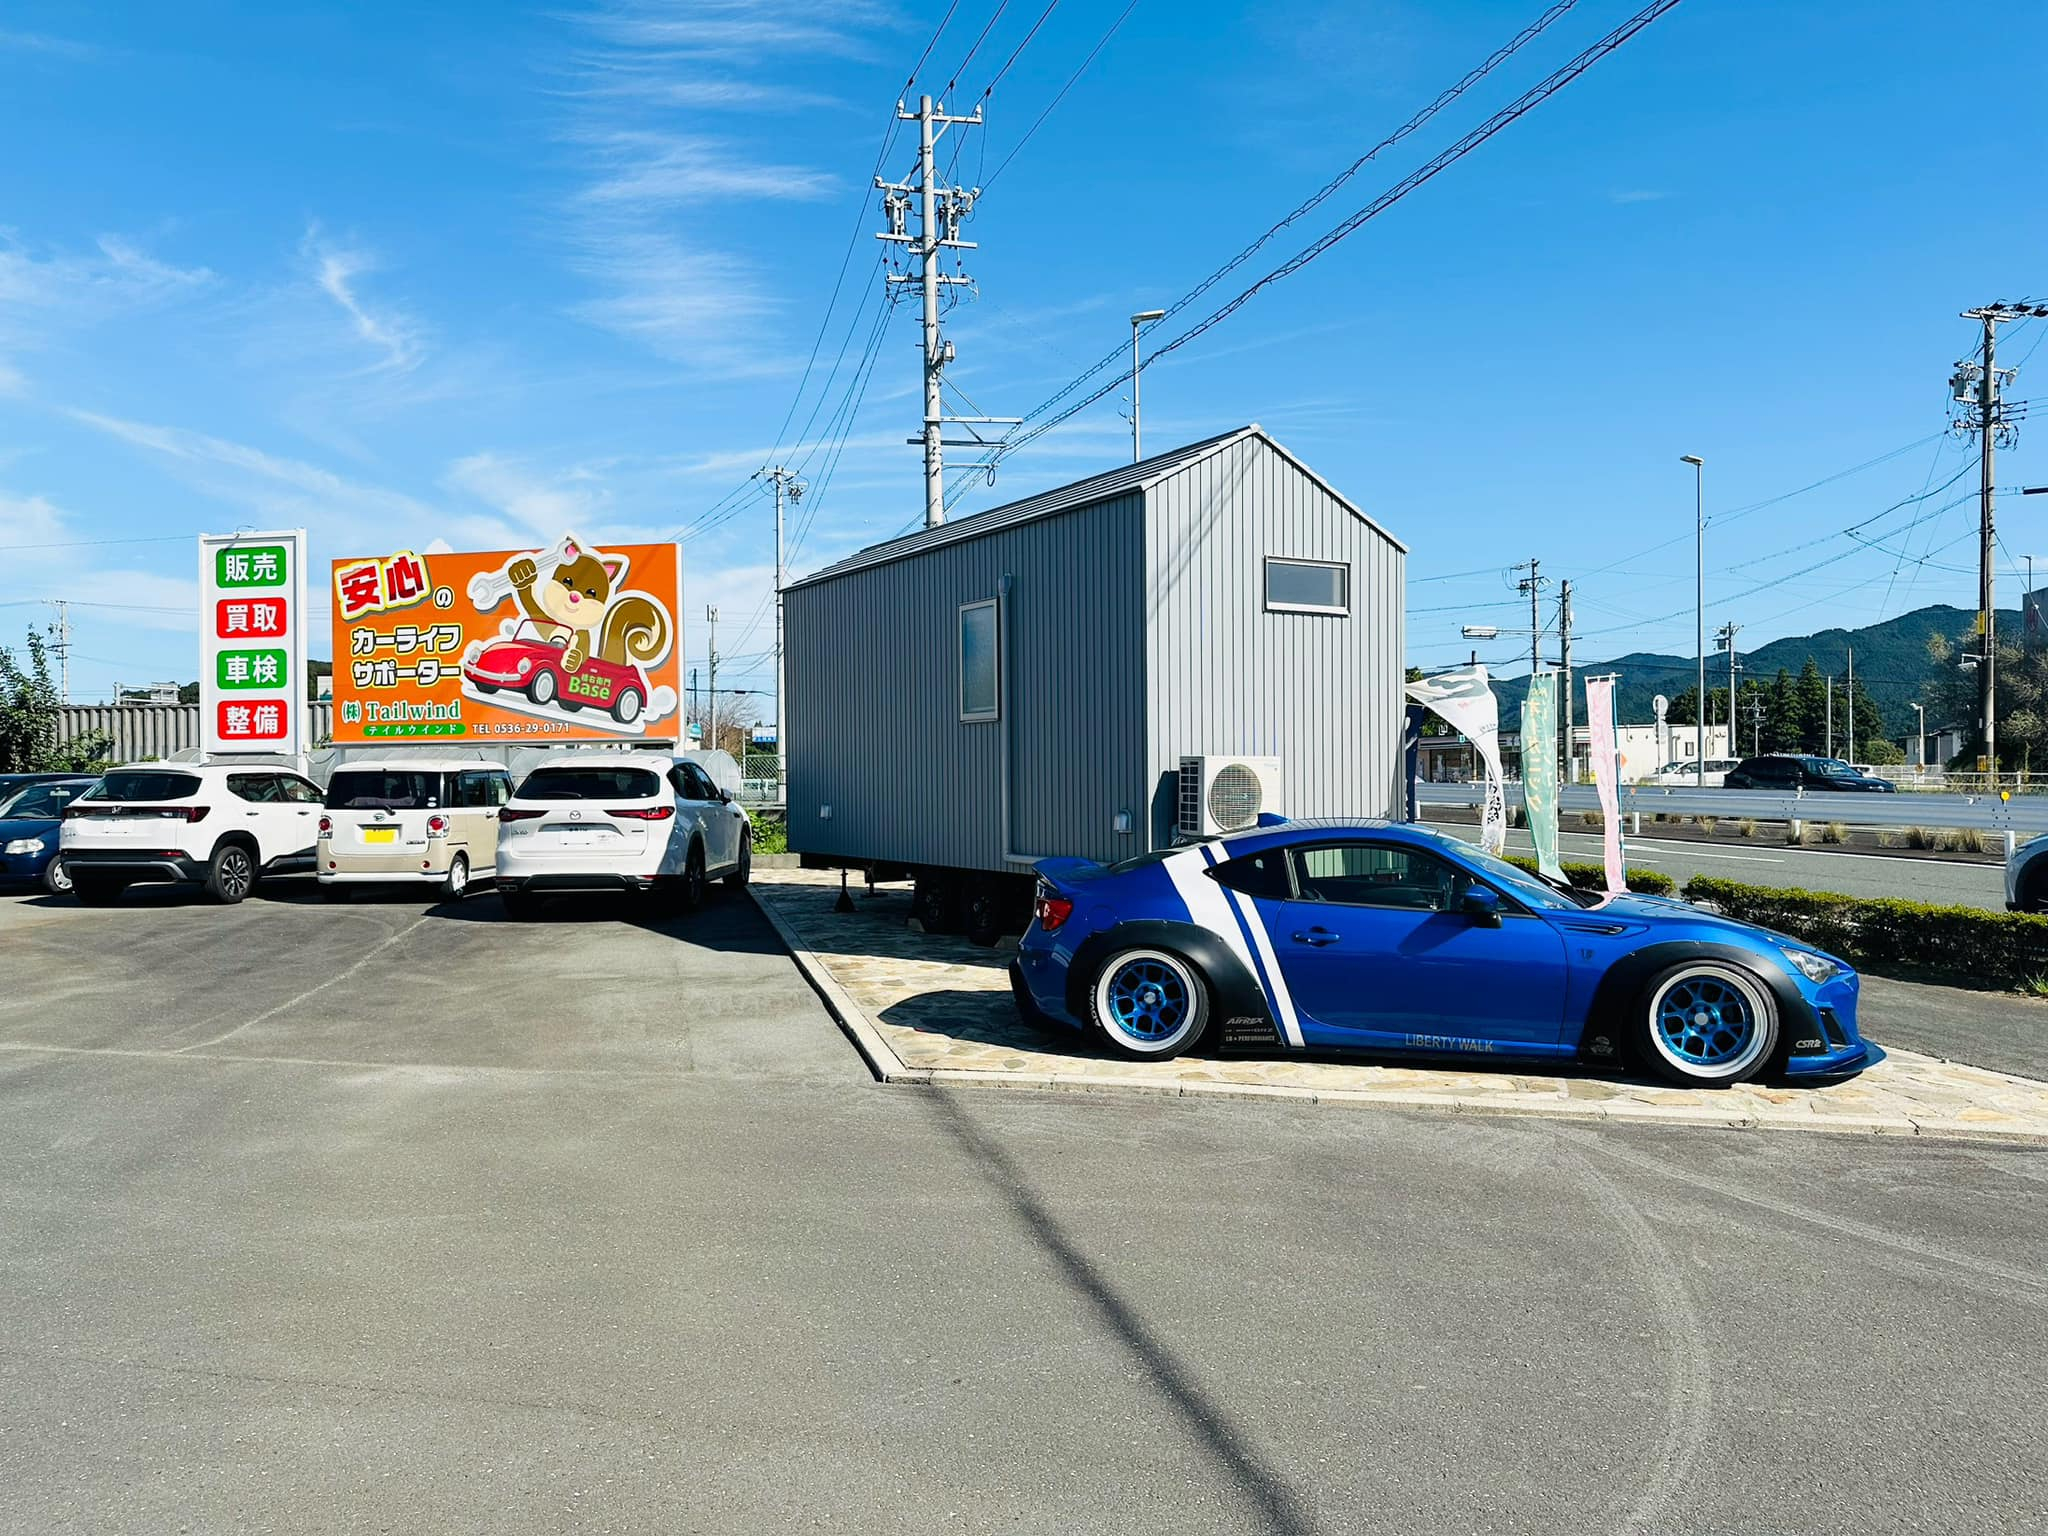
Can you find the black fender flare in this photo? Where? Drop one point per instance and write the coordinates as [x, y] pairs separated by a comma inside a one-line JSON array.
[[1235, 993], [1609, 1030]]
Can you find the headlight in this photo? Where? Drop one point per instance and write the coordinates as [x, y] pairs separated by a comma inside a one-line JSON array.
[[1815, 968], [26, 845]]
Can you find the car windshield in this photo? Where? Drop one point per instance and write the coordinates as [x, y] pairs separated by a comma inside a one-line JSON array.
[[128, 786], [383, 789], [39, 802], [590, 784], [1834, 768], [1530, 890]]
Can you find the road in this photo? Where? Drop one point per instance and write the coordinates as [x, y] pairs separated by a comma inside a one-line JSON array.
[[1853, 874], [364, 1218]]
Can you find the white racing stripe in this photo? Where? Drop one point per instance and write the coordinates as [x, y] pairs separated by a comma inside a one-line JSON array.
[[1209, 907], [1290, 1026]]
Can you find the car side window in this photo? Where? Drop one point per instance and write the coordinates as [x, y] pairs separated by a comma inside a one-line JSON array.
[[706, 789], [259, 788], [501, 788], [1257, 874], [685, 786], [1374, 875], [473, 789], [298, 790]]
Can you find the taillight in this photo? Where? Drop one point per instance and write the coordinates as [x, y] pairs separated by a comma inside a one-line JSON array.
[[437, 826], [326, 825], [1052, 912], [506, 813], [643, 813], [191, 812]]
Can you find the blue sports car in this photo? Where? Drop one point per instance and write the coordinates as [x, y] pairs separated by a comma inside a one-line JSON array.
[[1330, 936]]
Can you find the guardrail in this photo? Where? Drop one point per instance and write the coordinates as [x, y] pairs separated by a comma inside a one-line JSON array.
[[2022, 815]]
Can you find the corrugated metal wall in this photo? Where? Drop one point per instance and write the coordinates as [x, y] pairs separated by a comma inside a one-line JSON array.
[[1323, 694], [154, 730], [873, 682]]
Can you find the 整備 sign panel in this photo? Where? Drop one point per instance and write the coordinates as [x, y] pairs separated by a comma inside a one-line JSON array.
[[252, 643], [573, 642]]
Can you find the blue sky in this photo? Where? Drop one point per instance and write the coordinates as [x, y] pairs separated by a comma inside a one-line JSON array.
[[479, 272]]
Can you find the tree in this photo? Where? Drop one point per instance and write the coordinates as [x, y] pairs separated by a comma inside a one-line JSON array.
[[1781, 726], [31, 717], [1880, 752], [1809, 722]]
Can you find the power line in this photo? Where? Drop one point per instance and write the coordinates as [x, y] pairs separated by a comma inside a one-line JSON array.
[[1428, 171], [1100, 43]]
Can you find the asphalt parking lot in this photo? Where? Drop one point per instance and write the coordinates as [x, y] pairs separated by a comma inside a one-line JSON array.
[[373, 1217]]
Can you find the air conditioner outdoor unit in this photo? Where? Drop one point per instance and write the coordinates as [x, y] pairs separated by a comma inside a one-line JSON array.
[[1226, 794]]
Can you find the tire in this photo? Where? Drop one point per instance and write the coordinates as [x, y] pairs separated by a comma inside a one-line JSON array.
[[1706, 1024], [627, 706], [231, 875], [96, 891], [542, 689], [455, 884], [56, 879], [690, 894], [2034, 889], [737, 880], [520, 906], [1149, 1004]]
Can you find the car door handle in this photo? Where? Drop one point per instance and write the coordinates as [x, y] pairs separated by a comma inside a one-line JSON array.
[[1316, 936]]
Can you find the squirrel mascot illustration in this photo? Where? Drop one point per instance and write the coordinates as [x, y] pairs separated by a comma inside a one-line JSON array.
[[574, 607]]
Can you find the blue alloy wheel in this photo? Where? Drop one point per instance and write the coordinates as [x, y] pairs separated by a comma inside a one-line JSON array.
[[1710, 1023], [1150, 1003]]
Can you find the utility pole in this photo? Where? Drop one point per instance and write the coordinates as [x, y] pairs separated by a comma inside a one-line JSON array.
[[693, 704], [1564, 643], [1532, 585], [1920, 754], [940, 208], [62, 646], [711, 730], [1724, 637], [1699, 512], [786, 484], [1851, 753], [1980, 387], [1828, 744]]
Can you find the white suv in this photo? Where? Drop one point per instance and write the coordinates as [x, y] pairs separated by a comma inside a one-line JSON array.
[[640, 821], [214, 824]]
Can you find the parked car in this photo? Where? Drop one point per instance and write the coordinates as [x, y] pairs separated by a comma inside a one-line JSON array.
[[2026, 876], [1789, 770], [212, 824], [412, 821], [13, 783], [1681, 773], [1378, 937], [640, 821], [31, 818]]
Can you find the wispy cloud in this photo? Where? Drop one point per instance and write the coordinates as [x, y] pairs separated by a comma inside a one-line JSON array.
[[542, 505], [336, 269], [46, 43], [69, 286], [641, 91]]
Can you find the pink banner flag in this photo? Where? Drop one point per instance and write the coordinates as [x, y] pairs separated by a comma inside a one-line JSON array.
[[1606, 776]]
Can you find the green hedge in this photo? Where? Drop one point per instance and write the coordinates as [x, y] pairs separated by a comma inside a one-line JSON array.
[[1966, 944], [1593, 877]]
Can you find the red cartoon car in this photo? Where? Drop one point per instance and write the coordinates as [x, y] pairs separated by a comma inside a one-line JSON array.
[[533, 666]]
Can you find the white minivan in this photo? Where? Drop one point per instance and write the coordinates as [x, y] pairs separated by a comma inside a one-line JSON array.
[[412, 821]]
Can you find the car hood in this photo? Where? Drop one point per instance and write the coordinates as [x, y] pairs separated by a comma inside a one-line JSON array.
[[1669, 911], [28, 826]]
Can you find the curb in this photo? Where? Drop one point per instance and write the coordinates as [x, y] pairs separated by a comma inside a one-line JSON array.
[[887, 1067]]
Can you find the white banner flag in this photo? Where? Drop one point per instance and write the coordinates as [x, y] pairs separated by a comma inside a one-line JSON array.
[[1607, 776], [1464, 699]]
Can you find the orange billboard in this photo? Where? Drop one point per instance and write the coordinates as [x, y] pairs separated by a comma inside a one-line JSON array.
[[574, 642]]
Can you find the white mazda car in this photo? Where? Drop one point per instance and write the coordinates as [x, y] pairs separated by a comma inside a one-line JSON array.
[[635, 821]]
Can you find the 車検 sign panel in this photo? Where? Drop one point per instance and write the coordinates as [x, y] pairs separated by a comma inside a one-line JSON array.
[[573, 642], [252, 642]]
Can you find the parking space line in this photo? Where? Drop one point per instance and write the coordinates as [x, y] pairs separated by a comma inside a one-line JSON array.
[[292, 1002]]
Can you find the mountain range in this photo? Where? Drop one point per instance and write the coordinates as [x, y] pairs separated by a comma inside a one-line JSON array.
[[1892, 666]]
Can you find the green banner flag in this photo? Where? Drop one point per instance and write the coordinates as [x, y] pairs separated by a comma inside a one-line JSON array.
[[1539, 770]]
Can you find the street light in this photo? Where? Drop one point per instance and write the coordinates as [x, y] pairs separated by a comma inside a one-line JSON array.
[[1920, 755], [1143, 317], [1699, 483]]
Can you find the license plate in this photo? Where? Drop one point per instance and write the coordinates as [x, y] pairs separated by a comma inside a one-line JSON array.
[[380, 834], [581, 839]]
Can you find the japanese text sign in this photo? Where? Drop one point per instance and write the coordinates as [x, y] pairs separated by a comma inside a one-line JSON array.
[[573, 642], [252, 641]]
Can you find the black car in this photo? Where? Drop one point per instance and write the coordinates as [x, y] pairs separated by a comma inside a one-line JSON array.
[[1785, 770]]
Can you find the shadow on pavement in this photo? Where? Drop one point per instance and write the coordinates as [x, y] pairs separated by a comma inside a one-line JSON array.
[[727, 922], [1276, 1504]]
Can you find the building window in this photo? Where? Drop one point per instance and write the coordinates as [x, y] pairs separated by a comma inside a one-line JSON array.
[[980, 662], [1307, 586]]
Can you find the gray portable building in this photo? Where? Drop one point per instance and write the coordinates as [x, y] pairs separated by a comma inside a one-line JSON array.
[[1024, 683]]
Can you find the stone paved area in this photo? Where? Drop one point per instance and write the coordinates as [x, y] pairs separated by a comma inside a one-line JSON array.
[[926, 1009]]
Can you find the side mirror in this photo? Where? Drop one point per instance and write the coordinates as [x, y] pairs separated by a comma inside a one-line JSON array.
[[1481, 903]]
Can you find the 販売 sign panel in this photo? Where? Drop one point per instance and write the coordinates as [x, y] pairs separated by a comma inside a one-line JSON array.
[[574, 642], [252, 643]]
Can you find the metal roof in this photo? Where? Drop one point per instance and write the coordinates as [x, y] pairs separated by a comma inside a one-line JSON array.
[[1121, 481]]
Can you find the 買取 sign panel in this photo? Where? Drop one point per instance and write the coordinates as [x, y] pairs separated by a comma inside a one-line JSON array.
[[252, 643], [574, 642]]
